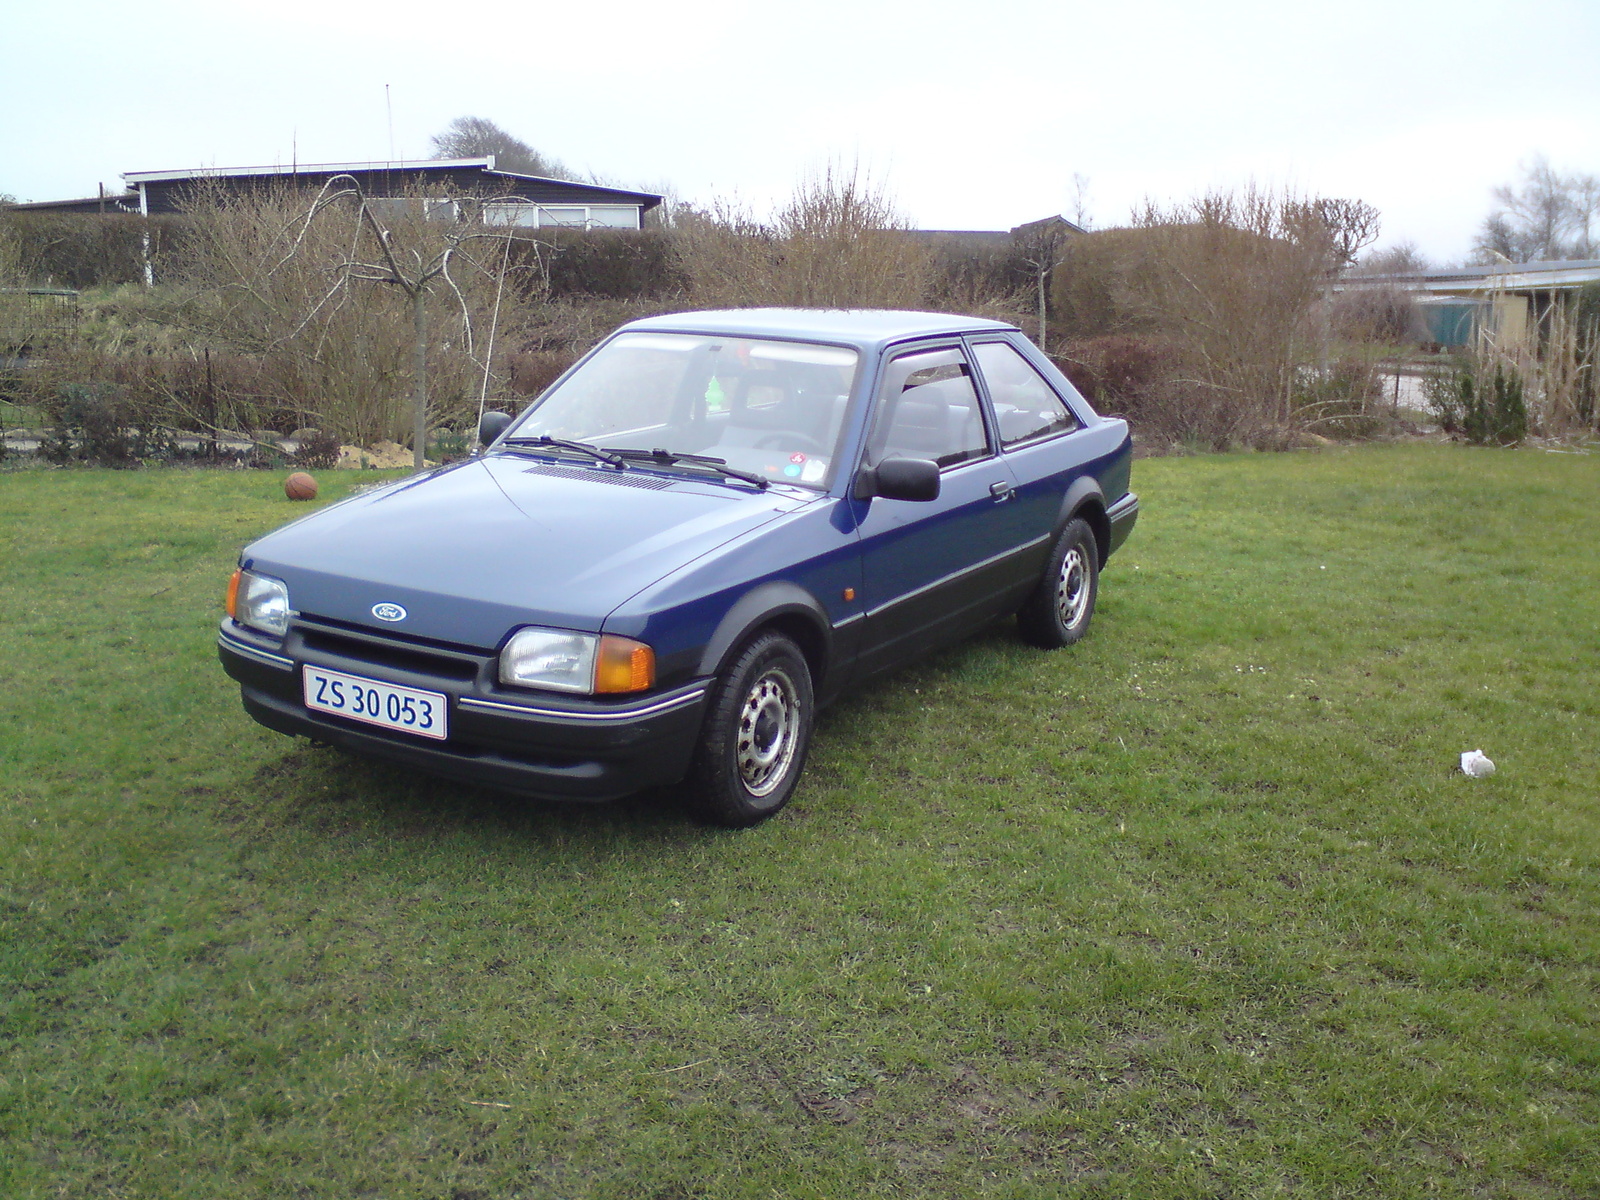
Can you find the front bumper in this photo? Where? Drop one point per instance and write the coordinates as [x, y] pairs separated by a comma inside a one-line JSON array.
[[558, 747]]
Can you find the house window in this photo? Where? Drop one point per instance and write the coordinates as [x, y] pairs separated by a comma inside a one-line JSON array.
[[525, 215], [614, 216]]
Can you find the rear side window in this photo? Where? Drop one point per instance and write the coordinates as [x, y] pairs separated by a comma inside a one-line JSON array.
[[1025, 406], [928, 408]]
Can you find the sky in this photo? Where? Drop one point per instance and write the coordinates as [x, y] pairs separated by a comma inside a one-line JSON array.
[[970, 115]]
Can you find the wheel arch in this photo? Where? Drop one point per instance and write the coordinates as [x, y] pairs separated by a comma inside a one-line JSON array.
[[780, 605], [1084, 500]]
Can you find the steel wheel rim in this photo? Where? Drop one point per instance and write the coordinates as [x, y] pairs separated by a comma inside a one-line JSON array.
[[1072, 587], [769, 732]]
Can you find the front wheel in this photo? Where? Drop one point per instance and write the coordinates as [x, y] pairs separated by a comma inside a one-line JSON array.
[[757, 731], [1058, 612]]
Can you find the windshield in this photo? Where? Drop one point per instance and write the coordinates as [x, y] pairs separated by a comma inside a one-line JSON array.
[[774, 408]]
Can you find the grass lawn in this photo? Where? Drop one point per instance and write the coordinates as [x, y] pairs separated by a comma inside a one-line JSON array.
[[1201, 907]]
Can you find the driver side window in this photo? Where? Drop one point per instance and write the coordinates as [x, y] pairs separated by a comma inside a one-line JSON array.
[[928, 408]]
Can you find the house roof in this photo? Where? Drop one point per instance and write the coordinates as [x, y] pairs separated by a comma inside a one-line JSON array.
[[135, 178], [650, 198], [1495, 277], [1050, 222], [484, 164], [111, 202], [545, 189]]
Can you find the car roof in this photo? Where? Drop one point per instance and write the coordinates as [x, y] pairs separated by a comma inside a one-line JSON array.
[[868, 328]]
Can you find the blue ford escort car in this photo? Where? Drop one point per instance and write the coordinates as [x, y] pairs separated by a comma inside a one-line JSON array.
[[712, 525]]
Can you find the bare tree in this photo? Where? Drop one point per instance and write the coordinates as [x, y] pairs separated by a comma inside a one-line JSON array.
[[1080, 201], [278, 280], [1344, 227], [1041, 247], [1401, 258], [1585, 219], [473, 137], [1549, 216]]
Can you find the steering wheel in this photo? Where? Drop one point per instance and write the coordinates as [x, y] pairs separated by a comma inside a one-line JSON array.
[[790, 441]]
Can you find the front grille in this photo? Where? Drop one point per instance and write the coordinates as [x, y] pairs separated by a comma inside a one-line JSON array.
[[650, 483], [388, 651]]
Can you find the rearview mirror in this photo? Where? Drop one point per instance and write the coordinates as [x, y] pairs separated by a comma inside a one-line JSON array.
[[492, 426], [899, 479]]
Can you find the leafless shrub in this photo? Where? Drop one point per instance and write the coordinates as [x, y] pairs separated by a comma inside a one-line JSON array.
[[1090, 294], [1386, 315], [161, 397], [1145, 378], [977, 278], [837, 243], [1204, 320], [1233, 277], [618, 264], [17, 266], [1342, 397], [529, 372], [84, 250]]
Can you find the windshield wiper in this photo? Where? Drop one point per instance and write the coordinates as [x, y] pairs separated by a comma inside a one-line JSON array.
[[544, 439], [668, 458]]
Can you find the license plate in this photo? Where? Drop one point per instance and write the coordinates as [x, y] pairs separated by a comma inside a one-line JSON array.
[[409, 710]]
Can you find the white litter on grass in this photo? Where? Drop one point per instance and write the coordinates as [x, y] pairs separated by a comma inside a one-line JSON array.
[[1476, 764]]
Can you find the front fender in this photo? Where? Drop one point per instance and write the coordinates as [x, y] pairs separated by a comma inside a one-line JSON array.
[[775, 600]]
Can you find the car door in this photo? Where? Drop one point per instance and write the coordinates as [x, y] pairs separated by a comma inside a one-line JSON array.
[[934, 569], [1032, 423]]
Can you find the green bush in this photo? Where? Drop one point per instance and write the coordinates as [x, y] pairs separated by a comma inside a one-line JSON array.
[[1487, 409], [1507, 409], [96, 423]]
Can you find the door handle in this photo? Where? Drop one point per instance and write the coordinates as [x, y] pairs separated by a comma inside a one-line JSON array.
[[1001, 491]]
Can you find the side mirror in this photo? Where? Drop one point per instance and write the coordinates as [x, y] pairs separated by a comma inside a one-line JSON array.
[[899, 479], [492, 426]]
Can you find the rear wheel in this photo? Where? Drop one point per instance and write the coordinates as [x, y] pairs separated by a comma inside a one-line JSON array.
[[1058, 612], [757, 731]]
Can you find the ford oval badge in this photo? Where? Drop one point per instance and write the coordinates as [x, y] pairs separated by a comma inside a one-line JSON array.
[[388, 612]]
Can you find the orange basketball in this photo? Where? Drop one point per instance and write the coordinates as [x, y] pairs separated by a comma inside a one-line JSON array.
[[300, 486]]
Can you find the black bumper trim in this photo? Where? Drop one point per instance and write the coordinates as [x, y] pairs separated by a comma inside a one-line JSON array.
[[249, 651], [621, 713]]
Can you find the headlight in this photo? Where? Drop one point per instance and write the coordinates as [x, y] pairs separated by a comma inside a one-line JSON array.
[[260, 602], [577, 662]]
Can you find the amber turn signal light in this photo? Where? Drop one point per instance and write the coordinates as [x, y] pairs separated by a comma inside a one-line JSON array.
[[624, 665], [233, 593]]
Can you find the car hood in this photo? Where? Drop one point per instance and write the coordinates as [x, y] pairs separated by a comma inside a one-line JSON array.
[[473, 550]]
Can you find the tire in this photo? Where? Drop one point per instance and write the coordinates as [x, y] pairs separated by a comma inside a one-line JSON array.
[[756, 734], [1058, 612]]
